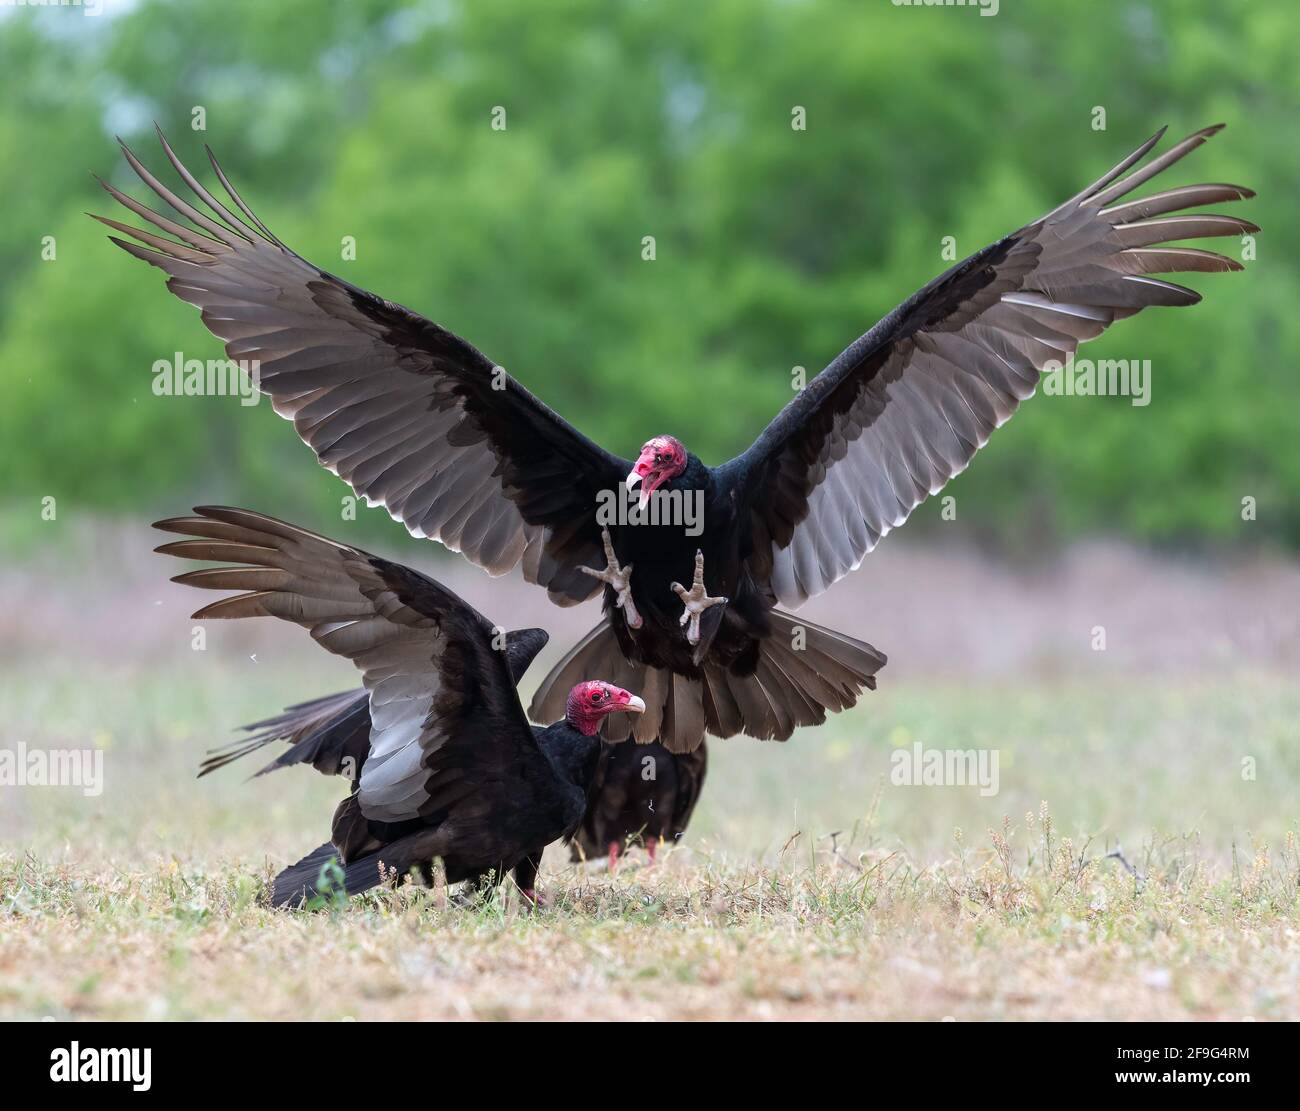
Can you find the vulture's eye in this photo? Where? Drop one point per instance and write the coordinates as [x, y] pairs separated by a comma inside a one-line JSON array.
[[596, 696], [661, 457]]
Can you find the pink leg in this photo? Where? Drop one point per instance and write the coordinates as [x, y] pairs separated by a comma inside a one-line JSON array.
[[652, 847], [613, 857]]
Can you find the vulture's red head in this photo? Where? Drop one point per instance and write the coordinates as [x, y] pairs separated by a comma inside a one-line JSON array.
[[661, 459], [589, 703]]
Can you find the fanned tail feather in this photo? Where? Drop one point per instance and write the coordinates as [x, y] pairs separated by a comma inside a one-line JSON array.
[[804, 672]]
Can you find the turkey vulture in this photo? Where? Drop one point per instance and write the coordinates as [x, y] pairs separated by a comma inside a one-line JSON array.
[[642, 794], [419, 421], [450, 768]]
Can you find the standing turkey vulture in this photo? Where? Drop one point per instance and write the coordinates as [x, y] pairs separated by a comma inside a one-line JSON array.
[[419, 421], [642, 794], [451, 769]]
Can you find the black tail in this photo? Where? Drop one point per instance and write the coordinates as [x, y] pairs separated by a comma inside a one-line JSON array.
[[313, 875], [299, 882], [804, 671]]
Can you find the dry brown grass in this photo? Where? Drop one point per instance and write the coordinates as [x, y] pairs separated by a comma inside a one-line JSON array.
[[930, 902], [824, 931]]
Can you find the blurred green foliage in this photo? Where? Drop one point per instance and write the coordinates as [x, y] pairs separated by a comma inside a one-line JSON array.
[[775, 247]]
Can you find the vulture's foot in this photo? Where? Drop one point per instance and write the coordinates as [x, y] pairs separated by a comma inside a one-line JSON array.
[[620, 578], [534, 901], [696, 601], [651, 847], [614, 847]]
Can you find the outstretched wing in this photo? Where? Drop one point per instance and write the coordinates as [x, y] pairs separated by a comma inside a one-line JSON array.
[[904, 409], [409, 415], [332, 734], [447, 733]]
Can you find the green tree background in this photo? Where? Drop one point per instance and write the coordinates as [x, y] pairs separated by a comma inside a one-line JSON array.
[[775, 247]]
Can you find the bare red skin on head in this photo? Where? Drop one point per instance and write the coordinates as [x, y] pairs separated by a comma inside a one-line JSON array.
[[661, 460], [589, 702]]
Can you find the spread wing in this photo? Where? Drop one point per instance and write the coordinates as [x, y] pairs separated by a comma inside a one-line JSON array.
[[447, 733], [904, 409], [412, 417], [326, 731]]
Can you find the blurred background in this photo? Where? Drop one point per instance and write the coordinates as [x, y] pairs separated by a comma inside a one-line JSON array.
[[774, 248]]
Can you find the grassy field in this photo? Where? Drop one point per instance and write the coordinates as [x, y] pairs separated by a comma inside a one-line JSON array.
[[809, 886]]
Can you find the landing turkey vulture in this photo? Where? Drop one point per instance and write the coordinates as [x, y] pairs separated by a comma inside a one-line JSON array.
[[451, 768], [419, 421], [642, 794]]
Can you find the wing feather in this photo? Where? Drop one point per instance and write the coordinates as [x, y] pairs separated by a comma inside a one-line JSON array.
[[444, 717], [905, 407], [414, 418]]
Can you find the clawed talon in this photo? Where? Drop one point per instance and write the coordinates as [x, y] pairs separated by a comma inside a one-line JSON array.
[[696, 601], [620, 578], [533, 900]]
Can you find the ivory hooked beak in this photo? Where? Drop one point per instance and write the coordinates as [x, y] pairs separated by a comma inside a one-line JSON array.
[[632, 480], [634, 705]]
